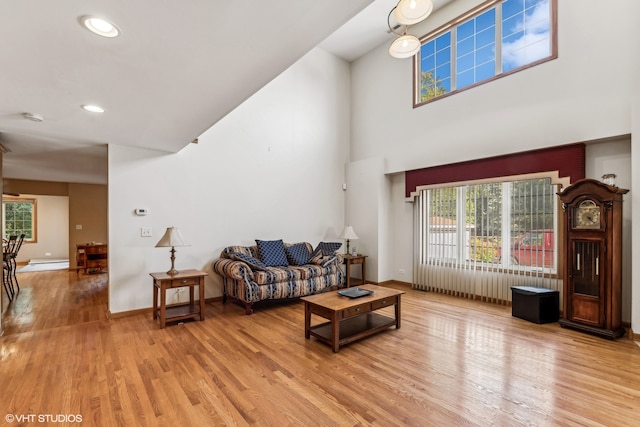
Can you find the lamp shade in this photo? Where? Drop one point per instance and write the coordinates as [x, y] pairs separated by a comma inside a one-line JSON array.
[[172, 237], [409, 12], [404, 46], [348, 233]]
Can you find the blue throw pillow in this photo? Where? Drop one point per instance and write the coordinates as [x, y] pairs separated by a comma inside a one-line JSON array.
[[272, 253], [298, 254], [326, 248], [254, 264]]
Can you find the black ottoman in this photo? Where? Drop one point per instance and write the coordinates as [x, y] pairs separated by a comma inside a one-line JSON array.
[[537, 305]]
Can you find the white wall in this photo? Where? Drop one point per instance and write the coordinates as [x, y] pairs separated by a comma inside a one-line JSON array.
[[401, 226], [614, 156], [271, 169], [365, 180], [584, 95], [634, 202]]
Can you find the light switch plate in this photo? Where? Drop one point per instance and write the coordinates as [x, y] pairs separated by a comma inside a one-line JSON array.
[[146, 231]]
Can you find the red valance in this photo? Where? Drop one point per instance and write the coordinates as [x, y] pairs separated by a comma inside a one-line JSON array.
[[568, 160]]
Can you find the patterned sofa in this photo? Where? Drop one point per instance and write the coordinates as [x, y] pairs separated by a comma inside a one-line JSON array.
[[272, 270]]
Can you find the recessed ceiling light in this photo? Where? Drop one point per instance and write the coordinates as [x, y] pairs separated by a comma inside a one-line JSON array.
[[100, 26], [93, 108]]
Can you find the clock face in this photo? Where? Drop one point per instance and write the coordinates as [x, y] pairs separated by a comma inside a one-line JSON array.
[[587, 215]]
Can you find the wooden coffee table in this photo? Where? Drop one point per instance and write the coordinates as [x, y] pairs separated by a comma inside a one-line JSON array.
[[350, 318]]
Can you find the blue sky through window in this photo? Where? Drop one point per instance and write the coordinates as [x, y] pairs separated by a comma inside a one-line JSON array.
[[436, 60], [524, 34], [475, 49]]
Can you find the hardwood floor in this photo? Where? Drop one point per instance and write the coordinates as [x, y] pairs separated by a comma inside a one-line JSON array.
[[453, 362]]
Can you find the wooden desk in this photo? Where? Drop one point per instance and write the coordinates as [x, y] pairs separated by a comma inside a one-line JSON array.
[[92, 257], [349, 260], [164, 281]]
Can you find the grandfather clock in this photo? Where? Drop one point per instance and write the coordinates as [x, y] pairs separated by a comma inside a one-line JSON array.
[[593, 258]]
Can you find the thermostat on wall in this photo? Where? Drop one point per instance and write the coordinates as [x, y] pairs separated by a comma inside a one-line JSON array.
[[142, 211]]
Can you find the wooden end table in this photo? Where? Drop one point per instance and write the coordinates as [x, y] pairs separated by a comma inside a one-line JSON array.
[[350, 260], [184, 278], [350, 318]]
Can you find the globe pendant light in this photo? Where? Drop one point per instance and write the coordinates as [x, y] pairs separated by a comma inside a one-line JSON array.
[[404, 46], [407, 13], [410, 12]]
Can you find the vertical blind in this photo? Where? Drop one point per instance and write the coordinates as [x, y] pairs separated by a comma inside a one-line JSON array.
[[478, 240], [489, 242]]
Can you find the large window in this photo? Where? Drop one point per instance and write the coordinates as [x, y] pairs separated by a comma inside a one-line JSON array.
[[19, 216], [498, 38], [504, 225]]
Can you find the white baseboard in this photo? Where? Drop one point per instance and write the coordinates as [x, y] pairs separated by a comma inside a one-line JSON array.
[[47, 260]]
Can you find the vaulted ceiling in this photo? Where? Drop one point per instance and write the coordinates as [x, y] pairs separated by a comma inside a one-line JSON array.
[[174, 71]]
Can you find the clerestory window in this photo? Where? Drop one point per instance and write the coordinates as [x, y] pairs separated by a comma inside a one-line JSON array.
[[498, 38]]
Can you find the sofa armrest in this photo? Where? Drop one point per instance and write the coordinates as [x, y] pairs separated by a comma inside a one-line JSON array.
[[232, 269]]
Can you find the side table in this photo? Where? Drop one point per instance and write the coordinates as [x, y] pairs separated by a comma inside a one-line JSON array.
[[349, 260], [164, 281]]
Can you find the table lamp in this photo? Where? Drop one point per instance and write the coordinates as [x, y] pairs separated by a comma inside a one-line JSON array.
[[172, 237], [348, 234]]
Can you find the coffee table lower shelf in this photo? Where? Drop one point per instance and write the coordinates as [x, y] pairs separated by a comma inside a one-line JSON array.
[[354, 328]]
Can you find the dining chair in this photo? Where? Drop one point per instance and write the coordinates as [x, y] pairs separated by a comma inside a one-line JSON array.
[[13, 256], [6, 279], [7, 266]]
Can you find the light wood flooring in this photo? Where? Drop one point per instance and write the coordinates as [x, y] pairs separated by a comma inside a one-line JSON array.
[[452, 363]]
